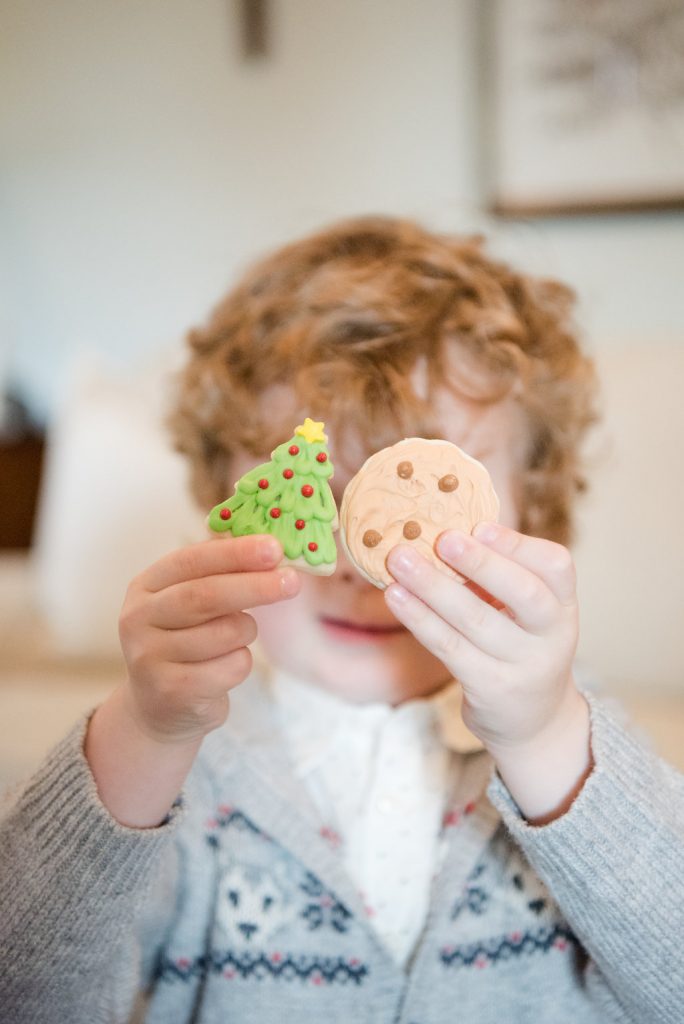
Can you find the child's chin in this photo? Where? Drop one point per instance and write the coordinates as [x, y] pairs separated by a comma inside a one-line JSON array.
[[374, 688]]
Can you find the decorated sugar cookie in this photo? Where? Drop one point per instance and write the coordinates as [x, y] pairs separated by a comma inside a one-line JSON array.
[[410, 493], [290, 498]]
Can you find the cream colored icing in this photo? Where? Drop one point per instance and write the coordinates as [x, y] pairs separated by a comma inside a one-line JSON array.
[[381, 499]]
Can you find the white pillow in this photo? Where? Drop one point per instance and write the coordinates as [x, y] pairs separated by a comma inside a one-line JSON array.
[[114, 499]]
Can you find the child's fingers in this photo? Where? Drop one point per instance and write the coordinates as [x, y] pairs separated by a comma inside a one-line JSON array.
[[210, 639], [486, 596], [224, 554], [200, 600], [527, 595], [454, 650], [209, 680], [551, 562], [493, 633]]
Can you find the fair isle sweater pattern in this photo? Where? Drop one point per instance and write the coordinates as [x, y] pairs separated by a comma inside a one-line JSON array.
[[238, 907], [260, 897], [265, 896], [502, 886]]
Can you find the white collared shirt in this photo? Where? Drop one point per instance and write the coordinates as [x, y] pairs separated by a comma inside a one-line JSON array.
[[379, 777]]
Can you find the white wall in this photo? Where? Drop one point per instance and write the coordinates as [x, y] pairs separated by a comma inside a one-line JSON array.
[[144, 161]]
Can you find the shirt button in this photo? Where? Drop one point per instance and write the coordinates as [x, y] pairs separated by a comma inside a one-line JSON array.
[[384, 804]]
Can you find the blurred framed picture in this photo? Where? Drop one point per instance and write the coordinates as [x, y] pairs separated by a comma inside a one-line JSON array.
[[586, 105]]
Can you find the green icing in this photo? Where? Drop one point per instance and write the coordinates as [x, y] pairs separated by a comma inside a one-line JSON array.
[[250, 506]]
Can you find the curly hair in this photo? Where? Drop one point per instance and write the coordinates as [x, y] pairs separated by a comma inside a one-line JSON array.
[[344, 317]]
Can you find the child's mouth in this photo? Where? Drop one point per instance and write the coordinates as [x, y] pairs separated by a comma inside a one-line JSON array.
[[345, 629]]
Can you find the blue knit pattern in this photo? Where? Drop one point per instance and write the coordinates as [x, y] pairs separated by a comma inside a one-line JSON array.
[[318, 970]]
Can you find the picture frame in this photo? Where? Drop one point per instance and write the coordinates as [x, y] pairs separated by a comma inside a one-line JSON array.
[[584, 103]]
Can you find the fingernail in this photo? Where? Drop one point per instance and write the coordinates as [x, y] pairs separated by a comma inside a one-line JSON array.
[[486, 532], [403, 560], [396, 595], [451, 544], [289, 582]]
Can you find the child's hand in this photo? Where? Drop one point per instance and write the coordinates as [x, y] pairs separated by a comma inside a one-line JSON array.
[[184, 631], [515, 665]]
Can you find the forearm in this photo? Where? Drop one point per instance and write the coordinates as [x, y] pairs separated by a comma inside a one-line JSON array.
[[545, 776], [73, 881], [613, 863], [138, 777]]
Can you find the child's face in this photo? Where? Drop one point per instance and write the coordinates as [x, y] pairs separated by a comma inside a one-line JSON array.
[[338, 633]]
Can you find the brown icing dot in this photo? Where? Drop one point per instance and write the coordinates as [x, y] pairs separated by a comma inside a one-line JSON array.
[[372, 538], [405, 470], [411, 529], [448, 482]]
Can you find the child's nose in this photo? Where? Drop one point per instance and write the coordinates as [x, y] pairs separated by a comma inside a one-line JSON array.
[[345, 571]]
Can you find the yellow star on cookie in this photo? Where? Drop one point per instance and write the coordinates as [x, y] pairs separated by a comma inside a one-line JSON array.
[[311, 431]]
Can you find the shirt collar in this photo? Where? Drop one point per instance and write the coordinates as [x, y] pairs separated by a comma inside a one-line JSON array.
[[311, 717]]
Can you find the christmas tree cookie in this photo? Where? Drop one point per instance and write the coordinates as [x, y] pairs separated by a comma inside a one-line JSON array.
[[290, 498]]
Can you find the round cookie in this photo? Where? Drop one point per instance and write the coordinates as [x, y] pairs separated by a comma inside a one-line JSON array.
[[410, 493]]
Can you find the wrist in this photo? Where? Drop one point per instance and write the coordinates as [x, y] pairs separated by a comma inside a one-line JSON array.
[[545, 774], [137, 776]]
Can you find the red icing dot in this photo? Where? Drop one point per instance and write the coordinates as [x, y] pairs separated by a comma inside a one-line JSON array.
[[288, 474], [293, 449], [307, 490], [321, 457], [300, 524], [225, 513], [263, 484], [313, 546], [275, 513]]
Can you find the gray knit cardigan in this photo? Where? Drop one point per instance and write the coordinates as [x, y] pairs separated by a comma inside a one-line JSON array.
[[238, 908]]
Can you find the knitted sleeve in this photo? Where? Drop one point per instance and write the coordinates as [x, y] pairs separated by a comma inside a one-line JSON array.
[[74, 885], [615, 865]]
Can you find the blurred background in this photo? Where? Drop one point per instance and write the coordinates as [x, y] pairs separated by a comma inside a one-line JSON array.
[[152, 148]]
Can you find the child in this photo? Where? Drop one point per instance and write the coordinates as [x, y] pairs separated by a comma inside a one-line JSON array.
[[410, 811]]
